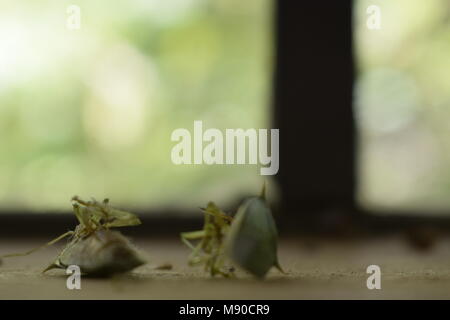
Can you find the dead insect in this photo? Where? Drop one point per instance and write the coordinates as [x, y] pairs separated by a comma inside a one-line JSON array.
[[93, 246], [209, 251], [252, 239], [249, 239]]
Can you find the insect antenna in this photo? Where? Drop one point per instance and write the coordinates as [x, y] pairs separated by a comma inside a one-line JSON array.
[[217, 214]]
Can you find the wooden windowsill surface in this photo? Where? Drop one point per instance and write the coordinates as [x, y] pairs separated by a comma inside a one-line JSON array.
[[315, 270]]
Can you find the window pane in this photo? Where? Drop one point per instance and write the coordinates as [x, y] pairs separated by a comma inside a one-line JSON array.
[[403, 104], [90, 111]]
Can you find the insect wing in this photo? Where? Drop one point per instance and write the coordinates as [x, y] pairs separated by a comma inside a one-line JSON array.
[[122, 219], [252, 238]]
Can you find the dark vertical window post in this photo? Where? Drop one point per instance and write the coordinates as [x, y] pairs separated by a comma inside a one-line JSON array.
[[314, 75]]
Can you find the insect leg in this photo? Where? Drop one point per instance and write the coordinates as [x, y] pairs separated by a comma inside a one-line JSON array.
[[69, 233]]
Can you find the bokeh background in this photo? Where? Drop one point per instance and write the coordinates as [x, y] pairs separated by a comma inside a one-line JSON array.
[[402, 105], [91, 111]]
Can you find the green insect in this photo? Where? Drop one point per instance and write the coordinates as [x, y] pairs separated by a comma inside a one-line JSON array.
[[93, 246], [209, 250], [253, 237], [249, 239]]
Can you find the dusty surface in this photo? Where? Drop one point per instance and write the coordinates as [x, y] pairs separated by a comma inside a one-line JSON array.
[[323, 271]]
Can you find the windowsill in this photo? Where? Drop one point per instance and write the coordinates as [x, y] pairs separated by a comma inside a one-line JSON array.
[[325, 269]]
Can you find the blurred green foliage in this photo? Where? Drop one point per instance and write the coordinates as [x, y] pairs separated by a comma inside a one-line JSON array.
[[403, 105], [91, 111]]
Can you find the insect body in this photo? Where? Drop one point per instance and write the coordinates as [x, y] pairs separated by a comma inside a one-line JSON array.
[[252, 239], [102, 253], [249, 239], [93, 246], [209, 250]]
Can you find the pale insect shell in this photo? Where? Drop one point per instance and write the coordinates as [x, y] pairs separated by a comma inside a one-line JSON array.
[[252, 240], [102, 253]]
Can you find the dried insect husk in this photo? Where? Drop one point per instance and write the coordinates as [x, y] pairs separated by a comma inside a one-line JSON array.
[[252, 239], [208, 251], [102, 253]]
